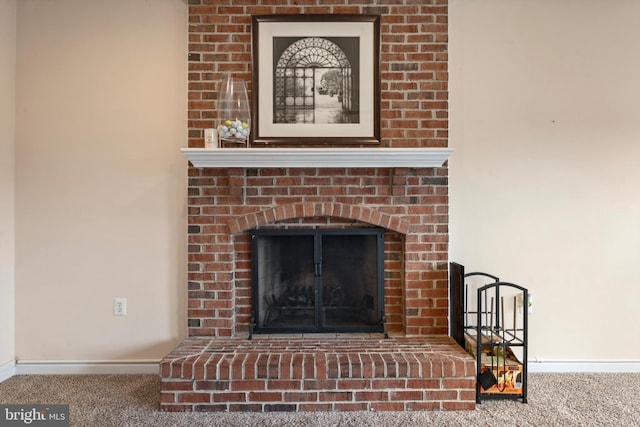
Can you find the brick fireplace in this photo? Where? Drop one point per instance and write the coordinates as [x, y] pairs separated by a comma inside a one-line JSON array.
[[218, 368]]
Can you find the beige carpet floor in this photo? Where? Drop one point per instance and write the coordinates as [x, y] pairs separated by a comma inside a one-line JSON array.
[[132, 400]]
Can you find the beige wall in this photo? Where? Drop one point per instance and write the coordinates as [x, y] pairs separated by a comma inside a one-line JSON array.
[[545, 108], [100, 182], [7, 149]]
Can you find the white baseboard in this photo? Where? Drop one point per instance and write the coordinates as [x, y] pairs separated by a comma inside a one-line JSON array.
[[75, 367], [595, 366], [7, 370]]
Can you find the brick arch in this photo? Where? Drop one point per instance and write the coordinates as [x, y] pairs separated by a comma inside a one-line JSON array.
[[302, 210]]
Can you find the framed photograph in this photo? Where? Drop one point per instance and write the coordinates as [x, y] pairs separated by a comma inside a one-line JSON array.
[[316, 80]]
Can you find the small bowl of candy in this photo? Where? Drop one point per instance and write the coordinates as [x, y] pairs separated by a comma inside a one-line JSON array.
[[235, 131]]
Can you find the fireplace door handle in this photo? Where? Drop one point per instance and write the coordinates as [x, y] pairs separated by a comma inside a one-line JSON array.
[[318, 269]]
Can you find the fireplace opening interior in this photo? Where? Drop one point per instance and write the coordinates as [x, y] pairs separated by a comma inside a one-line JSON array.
[[317, 280]]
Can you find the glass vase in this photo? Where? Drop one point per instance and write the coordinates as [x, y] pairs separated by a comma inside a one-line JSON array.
[[234, 115]]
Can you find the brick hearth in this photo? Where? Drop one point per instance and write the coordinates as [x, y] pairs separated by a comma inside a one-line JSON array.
[[320, 373]]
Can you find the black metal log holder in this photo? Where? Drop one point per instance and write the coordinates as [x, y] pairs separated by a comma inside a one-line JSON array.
[[497, 367]]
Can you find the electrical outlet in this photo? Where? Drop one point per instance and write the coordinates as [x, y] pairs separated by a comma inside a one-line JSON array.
[[119, 306]]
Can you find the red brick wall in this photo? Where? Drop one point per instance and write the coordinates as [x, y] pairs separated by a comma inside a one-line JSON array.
[[413, 60], [411, 203]]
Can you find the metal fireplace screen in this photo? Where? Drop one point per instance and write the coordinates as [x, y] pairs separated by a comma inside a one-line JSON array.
[[319, 280]]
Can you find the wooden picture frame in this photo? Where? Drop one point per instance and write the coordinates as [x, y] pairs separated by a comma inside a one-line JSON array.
[[316, 80]]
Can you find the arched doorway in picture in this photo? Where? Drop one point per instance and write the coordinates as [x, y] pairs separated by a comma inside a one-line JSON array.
[[316, 80]]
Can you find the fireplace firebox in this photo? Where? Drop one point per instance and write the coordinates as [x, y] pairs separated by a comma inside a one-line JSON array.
[[317, 280]]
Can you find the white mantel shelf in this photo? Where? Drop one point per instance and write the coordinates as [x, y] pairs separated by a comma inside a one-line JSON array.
[[316, 157]]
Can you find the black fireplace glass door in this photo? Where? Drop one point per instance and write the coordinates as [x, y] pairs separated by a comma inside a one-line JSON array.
[[349, 281], [286, 277], [320, 280]]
